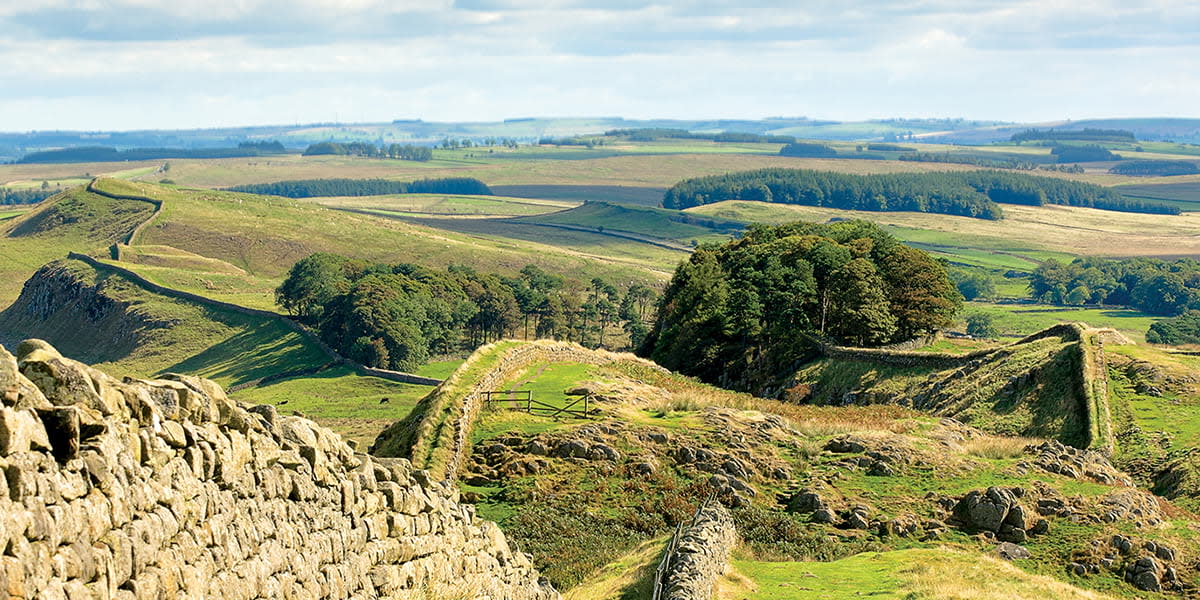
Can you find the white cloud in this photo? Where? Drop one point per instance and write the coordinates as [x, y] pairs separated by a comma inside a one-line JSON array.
[[154, 63]]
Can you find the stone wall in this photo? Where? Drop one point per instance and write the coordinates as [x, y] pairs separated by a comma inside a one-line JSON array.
[[168, 489], [437, 434], [701, 555]]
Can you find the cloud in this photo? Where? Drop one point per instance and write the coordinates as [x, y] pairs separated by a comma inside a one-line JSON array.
[[141, 63]]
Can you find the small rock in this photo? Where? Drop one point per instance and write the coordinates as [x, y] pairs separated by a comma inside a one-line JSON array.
[[1041, 527], [823, 515], [604, 452], [1011, 551]]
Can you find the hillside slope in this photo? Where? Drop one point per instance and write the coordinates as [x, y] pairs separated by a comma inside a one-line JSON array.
[[264, 236], [75, 220], [104, 318], [809, 488], [1048, 385]]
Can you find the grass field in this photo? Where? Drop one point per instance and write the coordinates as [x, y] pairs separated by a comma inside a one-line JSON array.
[[450, 206], [547, 382], [646, 221], [1028, 231], [1185, 195], [641, 196], [551, 166], [638, 261], [236, 288], [440, 369], [82, 222], [929, 574], [1019, 320], [355, 407], [128, 330], [264, 236]]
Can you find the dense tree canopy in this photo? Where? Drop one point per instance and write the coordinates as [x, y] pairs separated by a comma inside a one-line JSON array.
[[1093, 135], [1155, 168], [744, 308], [807, 150], [1184, 329], [1155, 286], [1088, 153], [396, 151], [27, 196], [397, 316], [969, 194], [313, 188]]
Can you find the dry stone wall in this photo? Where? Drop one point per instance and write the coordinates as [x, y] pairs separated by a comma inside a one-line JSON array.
[[442, 439], [167, 489], [701, 555]]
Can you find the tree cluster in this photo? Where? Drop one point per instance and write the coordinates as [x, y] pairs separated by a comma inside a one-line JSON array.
[[973, 284], [748, 305], [271, 147], [1184, 329], [958, 158], [650, 134], [970, 194], [1155, 168], [396, 151], [397, 316], [26, 196], [1077, 154], [877, 147], [1091, 135], [107, 154], [315, 188], [807, 150], [1156, 286]]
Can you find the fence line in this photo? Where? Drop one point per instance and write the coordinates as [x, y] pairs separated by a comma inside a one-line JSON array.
[[523, 400]]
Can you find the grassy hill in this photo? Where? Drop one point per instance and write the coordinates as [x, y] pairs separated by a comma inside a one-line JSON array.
[[593, 499], [264, 236], [72, 221]]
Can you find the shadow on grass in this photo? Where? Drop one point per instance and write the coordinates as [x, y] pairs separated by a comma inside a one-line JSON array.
[[262, 348]]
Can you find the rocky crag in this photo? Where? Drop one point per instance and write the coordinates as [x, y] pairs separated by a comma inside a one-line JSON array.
[[168, 489]]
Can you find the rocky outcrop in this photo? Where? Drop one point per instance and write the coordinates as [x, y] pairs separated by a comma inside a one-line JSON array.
[[701, 555], [1056, 457], [168, 489], [998, 511]]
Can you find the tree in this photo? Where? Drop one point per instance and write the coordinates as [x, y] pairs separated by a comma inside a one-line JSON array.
[[859, 311], [312, 283], [975, 286], [1078, 296], [921, 295], [981, 325]]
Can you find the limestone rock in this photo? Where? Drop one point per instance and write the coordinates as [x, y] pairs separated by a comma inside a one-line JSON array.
[[1011, 551], [166, 488]]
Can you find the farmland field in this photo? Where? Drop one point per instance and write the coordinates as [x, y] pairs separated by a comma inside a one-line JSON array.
[[644, 196], [1019, 320], [554, 167], [1033, 232], [448, 206]]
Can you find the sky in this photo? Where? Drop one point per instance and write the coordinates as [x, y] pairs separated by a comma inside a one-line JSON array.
[[141, 64]]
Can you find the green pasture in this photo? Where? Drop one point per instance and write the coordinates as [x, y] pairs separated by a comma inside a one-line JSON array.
[[651, 222], [1019, 320], [354, 406], [443, 205]]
